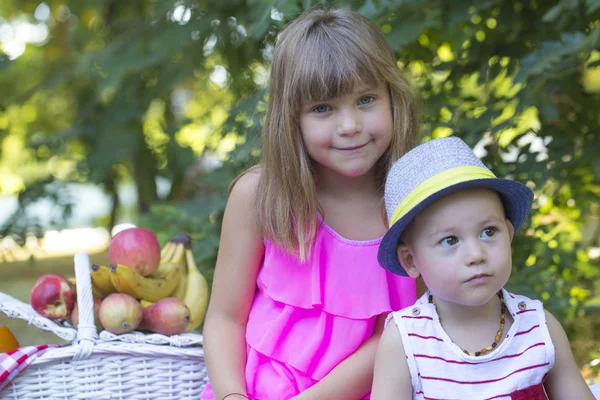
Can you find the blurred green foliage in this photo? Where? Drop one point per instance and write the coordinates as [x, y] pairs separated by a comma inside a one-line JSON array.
[[135, 91]]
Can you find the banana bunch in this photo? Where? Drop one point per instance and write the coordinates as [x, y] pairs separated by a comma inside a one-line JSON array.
[[192, 287], [159, 284], [196, 291], [171, 279], [95, 292], [101, 282]]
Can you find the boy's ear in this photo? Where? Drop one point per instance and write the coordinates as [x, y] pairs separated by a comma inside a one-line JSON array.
[[407, 260], [511, 229]]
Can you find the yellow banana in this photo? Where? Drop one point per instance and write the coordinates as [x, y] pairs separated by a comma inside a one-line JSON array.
[[145, 303], [101, 280], [95, 292], [179, 291], [167, 252], [153, 287], [196, 293]]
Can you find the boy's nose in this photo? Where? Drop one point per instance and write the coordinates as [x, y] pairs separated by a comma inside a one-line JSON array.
[[349, 123], [475, 253]]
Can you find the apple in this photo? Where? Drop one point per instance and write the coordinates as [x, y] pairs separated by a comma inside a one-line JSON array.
[[136, 248], [168, 316], [120, 313], [52, 296], [75, 315]]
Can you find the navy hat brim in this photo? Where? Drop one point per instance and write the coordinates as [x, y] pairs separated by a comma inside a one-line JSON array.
[[516, 198]]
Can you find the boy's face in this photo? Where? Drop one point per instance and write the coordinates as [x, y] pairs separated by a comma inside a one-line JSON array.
[[460, 245]]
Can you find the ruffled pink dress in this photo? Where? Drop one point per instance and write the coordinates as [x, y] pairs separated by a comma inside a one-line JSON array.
[[308, 317]]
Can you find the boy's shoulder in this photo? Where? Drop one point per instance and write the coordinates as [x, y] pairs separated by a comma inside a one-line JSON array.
[[519, 303], [420, 309]]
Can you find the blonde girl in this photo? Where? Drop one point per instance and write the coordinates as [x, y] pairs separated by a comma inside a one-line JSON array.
[[298, 300]]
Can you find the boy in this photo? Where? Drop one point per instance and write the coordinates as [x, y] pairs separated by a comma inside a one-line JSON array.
[[452, 222]]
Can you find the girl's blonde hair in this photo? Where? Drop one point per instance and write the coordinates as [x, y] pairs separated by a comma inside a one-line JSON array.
[[320, 55]]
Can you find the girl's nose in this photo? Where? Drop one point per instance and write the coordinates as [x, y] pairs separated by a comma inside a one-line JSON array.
[[349, 122]]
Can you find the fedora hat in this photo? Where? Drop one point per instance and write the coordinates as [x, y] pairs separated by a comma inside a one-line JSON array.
[[431, 171]]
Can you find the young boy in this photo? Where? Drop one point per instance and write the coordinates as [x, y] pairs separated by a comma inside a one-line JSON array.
[[452, 222]]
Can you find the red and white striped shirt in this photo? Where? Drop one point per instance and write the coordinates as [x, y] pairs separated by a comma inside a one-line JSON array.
[[439, 369]]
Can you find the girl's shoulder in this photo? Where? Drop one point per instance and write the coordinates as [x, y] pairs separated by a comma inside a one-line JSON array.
[[241, 197], [246, 184]]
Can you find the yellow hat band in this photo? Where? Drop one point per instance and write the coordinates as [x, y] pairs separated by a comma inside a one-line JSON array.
[[435, 184]]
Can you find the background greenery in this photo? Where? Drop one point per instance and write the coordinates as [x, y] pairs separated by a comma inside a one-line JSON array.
[[147, 91]]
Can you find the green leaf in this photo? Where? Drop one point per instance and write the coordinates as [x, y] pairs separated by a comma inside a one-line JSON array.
[[4, 61], [551, 52], [593, 64], [553, 13], [404, 32], [592, 6], [261, 21], [368, 9]]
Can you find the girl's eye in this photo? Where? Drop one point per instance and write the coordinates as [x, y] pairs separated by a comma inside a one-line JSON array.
[[449, 241], [366, 100], [321, 108], [489, 232]]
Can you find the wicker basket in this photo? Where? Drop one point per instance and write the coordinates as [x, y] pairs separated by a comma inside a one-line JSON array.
[[106, 366]]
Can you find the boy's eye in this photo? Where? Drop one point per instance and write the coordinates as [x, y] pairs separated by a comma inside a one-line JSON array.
[[321, 108], [365, 100], [449, 241], [489, 232]]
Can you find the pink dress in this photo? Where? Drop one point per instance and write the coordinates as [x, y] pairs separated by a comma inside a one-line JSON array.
[[307, 318]]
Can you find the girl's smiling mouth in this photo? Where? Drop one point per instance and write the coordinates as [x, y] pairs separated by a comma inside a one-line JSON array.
[[351, 148]]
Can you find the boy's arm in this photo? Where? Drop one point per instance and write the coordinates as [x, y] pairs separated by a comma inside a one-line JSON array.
[[564, 381], [391, 378]]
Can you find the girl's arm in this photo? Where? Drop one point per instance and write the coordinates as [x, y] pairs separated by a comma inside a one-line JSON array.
[[240, 251], [564, 381], [391, 379], [353, 377]]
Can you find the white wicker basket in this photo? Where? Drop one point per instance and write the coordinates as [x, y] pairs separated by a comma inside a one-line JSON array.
[[106, 366]]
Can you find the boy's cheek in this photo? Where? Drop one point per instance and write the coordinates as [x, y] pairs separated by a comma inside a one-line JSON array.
[[445, 275]]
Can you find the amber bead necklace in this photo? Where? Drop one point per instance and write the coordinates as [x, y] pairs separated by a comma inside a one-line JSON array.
[[498, 334]]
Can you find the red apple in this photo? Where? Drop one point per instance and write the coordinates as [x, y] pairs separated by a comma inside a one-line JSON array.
[[136, 248], [52, 296], [169, 316], [75, 315], [120, 313]]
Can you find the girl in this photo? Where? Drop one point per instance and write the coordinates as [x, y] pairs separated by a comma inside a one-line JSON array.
[[298, 300]]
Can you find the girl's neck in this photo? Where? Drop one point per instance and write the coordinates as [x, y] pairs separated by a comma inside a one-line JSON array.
[[352, 206], [334, 185]]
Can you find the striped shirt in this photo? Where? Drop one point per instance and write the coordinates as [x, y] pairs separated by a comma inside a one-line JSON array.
[[439, 369]]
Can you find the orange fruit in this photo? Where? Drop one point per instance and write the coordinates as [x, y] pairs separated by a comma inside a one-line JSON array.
[[8, 341]]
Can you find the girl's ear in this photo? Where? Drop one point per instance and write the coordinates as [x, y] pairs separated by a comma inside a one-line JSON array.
[[407, 260], [511, 229]]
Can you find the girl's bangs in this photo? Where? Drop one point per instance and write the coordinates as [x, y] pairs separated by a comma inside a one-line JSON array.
[[328, 72]]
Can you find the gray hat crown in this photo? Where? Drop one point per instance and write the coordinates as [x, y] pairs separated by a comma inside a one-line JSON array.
[[422, 163]]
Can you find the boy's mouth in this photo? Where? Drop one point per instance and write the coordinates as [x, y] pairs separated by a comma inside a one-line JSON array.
[[478, 277]]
